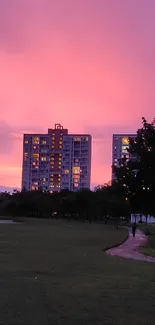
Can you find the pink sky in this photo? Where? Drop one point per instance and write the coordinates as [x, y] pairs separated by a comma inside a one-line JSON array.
[[87, 64]]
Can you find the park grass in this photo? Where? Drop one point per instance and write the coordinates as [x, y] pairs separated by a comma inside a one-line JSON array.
[[56, 273], [149, 247]]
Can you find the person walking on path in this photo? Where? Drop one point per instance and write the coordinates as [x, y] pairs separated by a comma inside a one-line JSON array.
[[134, 226]]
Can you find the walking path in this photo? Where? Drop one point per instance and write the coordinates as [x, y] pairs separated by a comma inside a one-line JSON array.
[[129, 249]]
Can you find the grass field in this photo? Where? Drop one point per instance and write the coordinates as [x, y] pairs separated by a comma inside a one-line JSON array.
[[54, 273]]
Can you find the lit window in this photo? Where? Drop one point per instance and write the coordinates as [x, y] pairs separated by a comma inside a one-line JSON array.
[[51, 192], [26, 142], [77, 139], [25, 155], [44, 142], [76, 184], [66, 171], [59, 179], [59, 162], [60, 142], [76, 170], [52, 147], [125, 140], [60, 147], [52, 158], [125, 149], [51, 175], [52, 162], [59, 175], [60, 154], [34, 163], [36, 157], [76, 177], [33, 188], [53, 138], [59, 167], [35, 140], [43, 158], [44, 179], [60, 159]]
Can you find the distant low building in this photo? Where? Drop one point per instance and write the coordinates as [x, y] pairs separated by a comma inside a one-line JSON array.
[[98, 187], [10, 190], [142, 218]]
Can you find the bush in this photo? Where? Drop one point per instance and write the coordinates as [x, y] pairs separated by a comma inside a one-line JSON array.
[[147, 232]]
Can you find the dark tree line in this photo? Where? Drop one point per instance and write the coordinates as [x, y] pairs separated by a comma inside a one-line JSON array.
[[133, 191], [108, 204]]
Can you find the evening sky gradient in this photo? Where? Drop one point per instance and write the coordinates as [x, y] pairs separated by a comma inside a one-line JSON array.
[[87, 64]]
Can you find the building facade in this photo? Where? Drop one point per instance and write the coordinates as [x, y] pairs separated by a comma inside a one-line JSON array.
[[56, 160], [120, 148], [76, 162]]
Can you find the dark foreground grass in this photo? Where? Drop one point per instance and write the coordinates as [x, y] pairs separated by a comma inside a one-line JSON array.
[[149, 248], [54, 273]]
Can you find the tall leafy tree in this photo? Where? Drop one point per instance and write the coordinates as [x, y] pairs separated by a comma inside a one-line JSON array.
[[138, 174]]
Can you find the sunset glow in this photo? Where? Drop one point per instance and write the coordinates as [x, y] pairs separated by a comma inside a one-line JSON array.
[[87, 64]]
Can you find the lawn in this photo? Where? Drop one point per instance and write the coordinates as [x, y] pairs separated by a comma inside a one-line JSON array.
[[55, 273], [149, 248]]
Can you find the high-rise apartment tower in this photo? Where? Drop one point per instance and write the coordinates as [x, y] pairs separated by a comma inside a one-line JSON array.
[[120, 148], [56, 160]]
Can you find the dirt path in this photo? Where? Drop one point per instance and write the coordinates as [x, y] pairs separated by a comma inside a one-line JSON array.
[[129, 249]]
